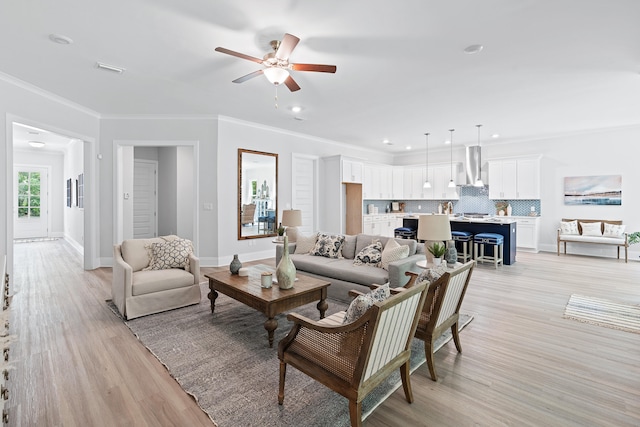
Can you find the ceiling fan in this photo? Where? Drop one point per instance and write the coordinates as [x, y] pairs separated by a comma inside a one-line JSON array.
[[277, 63]]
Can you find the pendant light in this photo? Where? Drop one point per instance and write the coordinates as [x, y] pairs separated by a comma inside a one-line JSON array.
[[427, 184], [452, 183], [479, 182]]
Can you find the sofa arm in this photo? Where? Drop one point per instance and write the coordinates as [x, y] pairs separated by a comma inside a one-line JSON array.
[[194, 268], [121, 282], [280, 250], [397, 270]]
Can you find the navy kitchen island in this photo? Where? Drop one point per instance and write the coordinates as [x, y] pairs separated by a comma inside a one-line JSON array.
[[505, 227]]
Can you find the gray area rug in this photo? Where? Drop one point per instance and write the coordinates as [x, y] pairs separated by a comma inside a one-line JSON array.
[[224, 361], [602, 312]]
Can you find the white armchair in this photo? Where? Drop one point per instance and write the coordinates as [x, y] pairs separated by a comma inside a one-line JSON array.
[[154, 275]]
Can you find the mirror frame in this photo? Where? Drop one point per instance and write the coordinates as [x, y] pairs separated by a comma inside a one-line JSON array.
[[239, 207]]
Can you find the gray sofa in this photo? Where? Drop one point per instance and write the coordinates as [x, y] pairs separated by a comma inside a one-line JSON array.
[[344, 276]]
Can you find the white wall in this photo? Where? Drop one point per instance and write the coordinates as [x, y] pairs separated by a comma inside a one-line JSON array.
[[167, 191], [73, 216]]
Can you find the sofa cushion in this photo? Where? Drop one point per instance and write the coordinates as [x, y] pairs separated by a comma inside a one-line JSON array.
[[393, 251], [569, 227], [150, 281], [136, 254], [304, 243], [592, 239], [349, 247], [172, 254], [591, 228], [342, 269], [366, 239], [370, 255], [328, 245]]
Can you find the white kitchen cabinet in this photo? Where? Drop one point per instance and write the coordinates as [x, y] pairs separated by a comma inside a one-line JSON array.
[[352, 171], [413, 180], [397, 186], [440, 182], [513, 179], [527, 233], [378, 182], [379, 225]]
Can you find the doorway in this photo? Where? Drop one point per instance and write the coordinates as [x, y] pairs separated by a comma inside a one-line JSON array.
[[304, 183], [30, 202], [145, 199]]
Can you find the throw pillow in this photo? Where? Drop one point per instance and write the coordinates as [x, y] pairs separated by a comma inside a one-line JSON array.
[[362, 303], [569, 227], [613, 230], [328, 245], [304, 244], [591, 228], [430, 275], [393, 251], [173, 254], [370, 255]]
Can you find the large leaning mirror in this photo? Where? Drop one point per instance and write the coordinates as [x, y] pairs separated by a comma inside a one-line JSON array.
[[257, 194]]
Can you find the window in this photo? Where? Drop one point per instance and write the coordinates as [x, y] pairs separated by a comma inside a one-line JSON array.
[[28, 195]]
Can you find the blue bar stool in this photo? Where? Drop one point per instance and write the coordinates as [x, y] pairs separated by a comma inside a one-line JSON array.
[[405, 233], [464, 240], [496, 240]]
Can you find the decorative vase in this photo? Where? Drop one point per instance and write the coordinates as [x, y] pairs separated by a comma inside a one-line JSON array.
[[286, 271], [451, 256], [508, 210], [235, 265]]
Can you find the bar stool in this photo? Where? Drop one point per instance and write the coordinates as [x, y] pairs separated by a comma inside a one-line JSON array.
[[465, 238], [482, 239], [405, 233]]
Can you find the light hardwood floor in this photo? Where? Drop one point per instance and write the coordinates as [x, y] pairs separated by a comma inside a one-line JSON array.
[[522, 363]]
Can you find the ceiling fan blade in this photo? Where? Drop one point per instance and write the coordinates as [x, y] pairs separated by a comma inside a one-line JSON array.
[[291, 84], [247, 76], [314, 67], [238, 54], [288, 43]]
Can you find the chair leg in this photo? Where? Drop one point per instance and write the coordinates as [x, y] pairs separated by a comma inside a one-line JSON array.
[[355, 413], [428, 352], [283, 372], [405, 375], [456, 337]]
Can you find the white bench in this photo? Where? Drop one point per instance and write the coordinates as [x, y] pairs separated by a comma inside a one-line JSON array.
[[621, 240]]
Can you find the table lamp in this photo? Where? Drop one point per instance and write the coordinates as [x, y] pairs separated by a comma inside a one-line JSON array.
[[433, 228], [292, 219]]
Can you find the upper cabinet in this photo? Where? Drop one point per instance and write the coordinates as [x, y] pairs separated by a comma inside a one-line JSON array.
[[378, 182], [517, 178], [439, 177], [352, 171]]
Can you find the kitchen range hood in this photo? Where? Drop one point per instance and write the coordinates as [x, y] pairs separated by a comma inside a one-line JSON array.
[[473, 164]]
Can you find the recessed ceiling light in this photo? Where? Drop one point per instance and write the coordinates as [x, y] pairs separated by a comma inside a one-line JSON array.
[[296, 109], [408, 147], [107, 67], [495, 135], [60, 39], [36, 144], [386, 142], [474, 48]]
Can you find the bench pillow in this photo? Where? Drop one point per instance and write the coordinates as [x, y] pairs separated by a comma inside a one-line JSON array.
[[591, 228], [613, 230], [569, 227]]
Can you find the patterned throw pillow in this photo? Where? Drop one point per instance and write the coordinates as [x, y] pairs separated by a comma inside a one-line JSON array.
[[393, 251], [591, 228], [430, 275], [569, 227], [328, 245], [370, 255], [173, 254], [362, 303], [304, 244], [613, 230]]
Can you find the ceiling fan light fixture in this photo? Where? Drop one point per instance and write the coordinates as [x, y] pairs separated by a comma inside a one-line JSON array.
[[276, 75], [36, 144]]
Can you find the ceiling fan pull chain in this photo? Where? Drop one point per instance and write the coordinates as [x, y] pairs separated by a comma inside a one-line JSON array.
[[276, 98]]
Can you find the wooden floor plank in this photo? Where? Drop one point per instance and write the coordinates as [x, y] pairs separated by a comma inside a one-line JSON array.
[[522, 363]]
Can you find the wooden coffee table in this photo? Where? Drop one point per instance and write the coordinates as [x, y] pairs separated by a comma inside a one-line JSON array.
[[271, 301]]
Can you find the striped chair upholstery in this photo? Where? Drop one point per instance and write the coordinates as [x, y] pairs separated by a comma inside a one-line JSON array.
[[352, 359], [441, 309]]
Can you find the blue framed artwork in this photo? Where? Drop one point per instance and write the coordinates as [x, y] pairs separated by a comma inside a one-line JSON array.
[[593, 190]]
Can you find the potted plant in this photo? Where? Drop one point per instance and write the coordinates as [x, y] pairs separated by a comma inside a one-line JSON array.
[[634, 238], [437, 250], [280, 231]]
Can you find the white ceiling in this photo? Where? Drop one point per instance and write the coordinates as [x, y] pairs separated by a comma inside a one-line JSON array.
[[547, 68]]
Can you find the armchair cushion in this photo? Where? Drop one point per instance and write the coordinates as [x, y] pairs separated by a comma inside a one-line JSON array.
[[364, 302], [173, 254], [150, 281]]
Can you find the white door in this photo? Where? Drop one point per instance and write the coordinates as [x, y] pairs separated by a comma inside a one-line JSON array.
[[304, 187], [30, 202], [145, 199]]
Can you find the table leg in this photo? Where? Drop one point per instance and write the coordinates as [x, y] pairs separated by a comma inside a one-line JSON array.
[[322, 307], [270, 325], [212, 296]]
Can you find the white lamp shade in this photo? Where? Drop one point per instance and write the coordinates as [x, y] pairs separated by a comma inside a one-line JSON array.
[[292, 218], [434, 228], [276, 75]]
